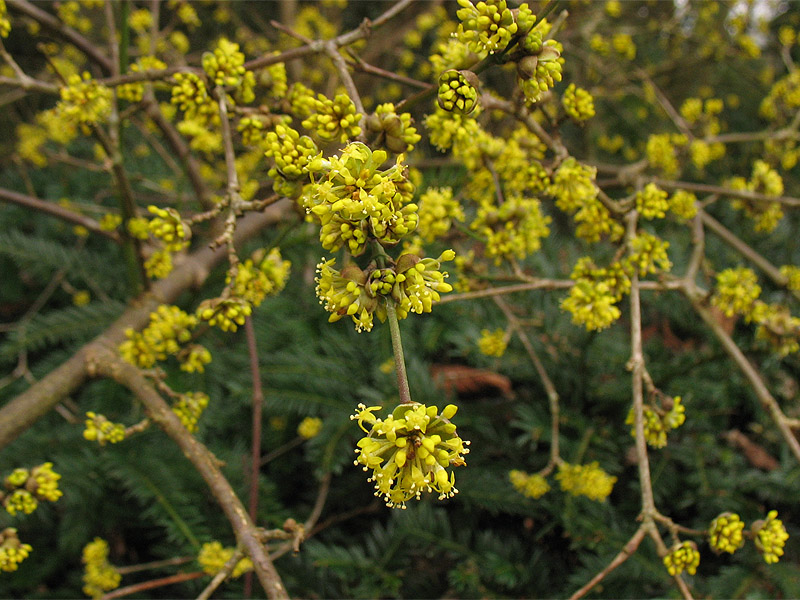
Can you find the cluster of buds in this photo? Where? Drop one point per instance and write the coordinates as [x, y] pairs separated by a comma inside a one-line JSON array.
[[25, 488], [12, 551], [763, 180], [99, 429], [192, 97], [293, 155], [658, 420], [651, 202], [261, 275], [413, 284], [514, 228], [458, 91], [357, 201], [169, 328], [540, 68], [84, 101], [99, 575], [585, 480], [725, 534], [410, 451], [226, 313], [489, 25], [437, 211], [682, 557], [189, 408], [770, 537], [333, 120], [395, 132], [225, 67], [578, 103], [213, 556], [593, 299], [532, 486]]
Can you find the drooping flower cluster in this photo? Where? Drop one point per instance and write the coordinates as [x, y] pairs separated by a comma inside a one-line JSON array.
[[770, 537], [725, 534], [213, 556], [529, 485], [412, 283], [357, 200], [99, 575], [658, 420], [682, 557], [12, 551], [409, 452], [585, 480], [395, 131], [99, 429]]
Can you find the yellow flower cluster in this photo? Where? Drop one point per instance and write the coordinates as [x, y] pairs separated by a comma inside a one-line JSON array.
[[12, 551], [662, 152], [767, 181], [309, 427], [169, 328], [412, 283], [213, 557], [514, 228], [492, 343], [777, 327], [28, 487], [263, 274], [651, 202], [168, 227], [487, 26], [437, 211], [575, 191], [447, 130], [99, 429], [192, 97], [682, 557], [333, 120], [683, 204], [357, 200], [457, 91], [592, 300], [133, 92], [293, 155], [736, 292], [5, 24], [532, 486], [226, 313], [725, 534], [585, 480], [225, 67], [189, 408], [792, 275], [659, 420], [578, 103], [84, 101], [783, 99], [409, 451], [395, 132], [648, 253], [99, 575], [540, 71], [770, 537]]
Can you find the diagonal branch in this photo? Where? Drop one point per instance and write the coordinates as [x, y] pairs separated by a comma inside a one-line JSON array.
[[106, 362], [23, 411]]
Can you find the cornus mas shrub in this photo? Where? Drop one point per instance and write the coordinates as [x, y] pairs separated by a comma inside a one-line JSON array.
[[402, 299]]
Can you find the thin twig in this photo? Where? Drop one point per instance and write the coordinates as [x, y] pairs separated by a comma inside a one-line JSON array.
[[627, 551]]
